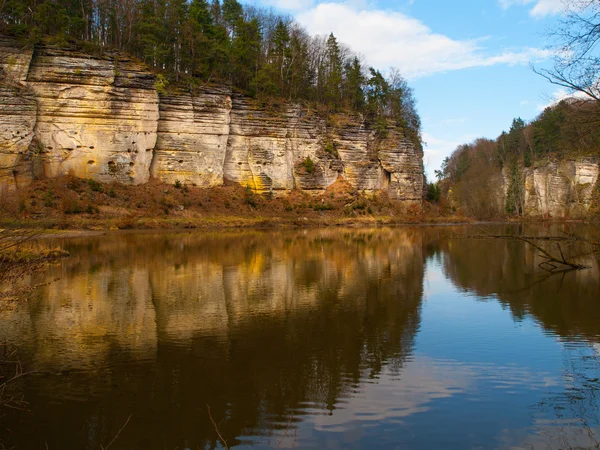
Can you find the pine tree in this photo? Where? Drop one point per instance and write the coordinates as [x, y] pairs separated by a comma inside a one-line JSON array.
[[301, 76], [245, 52], [333, 73], [354, 82], [200, 39], [233, 16], [377, 93], [151, 31], [282, 56]]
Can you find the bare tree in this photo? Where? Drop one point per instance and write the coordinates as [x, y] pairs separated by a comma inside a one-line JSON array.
[[575, 47]]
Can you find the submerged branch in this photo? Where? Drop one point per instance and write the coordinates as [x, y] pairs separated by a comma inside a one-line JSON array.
[[217, 429], [551, 263], [118, 433]]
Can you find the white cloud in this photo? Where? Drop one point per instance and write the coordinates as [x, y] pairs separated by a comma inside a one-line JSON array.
[[289, 5], [435, 150], [559, 95], [547, 7], [390, 38], [505, 4], [541, 8]]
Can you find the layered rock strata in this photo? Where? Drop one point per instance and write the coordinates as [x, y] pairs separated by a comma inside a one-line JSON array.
[[100, 116], [192, 137], [96, 115], [212, 136], [18, 112], [559, 189]]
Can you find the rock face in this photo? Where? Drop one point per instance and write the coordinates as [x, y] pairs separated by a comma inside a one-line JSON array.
[[213, 136], [97, 116], [18, 111], [101, 117], [192, 138], [559, 189]]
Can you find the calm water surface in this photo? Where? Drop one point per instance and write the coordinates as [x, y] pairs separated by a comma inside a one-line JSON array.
[[411, 338]]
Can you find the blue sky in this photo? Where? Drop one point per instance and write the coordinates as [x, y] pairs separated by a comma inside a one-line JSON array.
[[468, 61]]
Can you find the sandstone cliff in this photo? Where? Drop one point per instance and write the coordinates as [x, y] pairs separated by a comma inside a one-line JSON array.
[[101, 117], [562, 189], [559, 189]]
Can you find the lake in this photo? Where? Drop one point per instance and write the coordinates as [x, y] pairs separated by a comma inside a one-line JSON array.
[[412, 338]]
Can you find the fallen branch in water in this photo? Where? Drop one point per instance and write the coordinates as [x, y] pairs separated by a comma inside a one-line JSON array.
[[118, 433], [217, 428], [10, 371], [552, 263], [287, 429]]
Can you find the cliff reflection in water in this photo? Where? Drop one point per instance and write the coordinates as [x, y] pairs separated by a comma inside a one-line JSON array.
[[257, 325]]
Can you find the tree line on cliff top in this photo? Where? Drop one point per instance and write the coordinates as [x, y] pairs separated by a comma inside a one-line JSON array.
[[257, 51]]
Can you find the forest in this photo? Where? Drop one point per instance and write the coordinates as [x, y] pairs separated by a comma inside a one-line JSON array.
[[189, 43], [564, 131]]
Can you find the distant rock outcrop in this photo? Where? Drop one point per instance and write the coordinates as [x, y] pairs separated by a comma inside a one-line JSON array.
[[560, 189]]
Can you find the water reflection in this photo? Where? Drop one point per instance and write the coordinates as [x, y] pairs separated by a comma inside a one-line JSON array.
[[565, 303], [339, 338], [254, 325]]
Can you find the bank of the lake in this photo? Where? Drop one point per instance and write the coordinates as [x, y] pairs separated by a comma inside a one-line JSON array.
[[79, 204]]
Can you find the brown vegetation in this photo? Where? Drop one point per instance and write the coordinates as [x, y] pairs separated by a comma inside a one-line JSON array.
[[73, 203], [21, 252], [11, 371]]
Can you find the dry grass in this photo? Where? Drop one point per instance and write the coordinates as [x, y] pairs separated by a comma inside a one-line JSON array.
[[72, 203], [15, 269], [11, 371], [23, 259], [21, 252]]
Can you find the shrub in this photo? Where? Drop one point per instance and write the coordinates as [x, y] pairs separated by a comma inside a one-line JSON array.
[[322, 207], [249, 197], [95, 186], [161, 84], [433, 193], [48, 199], [309, 165], [330, 148]]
